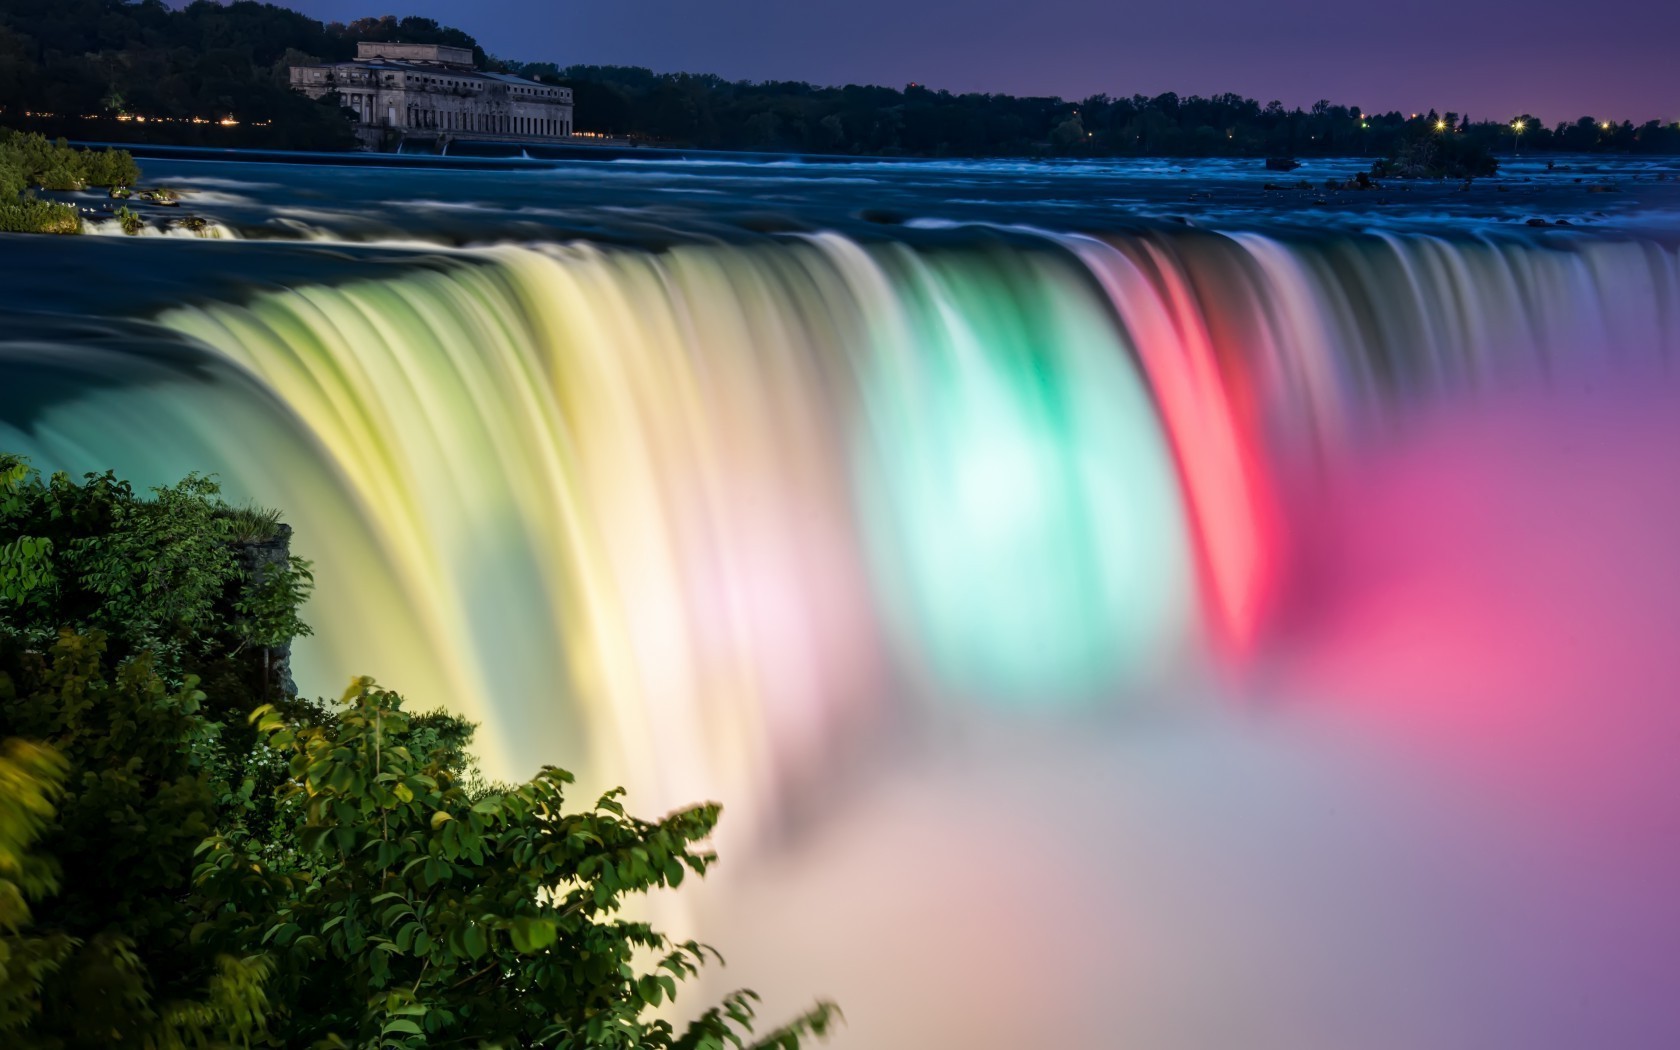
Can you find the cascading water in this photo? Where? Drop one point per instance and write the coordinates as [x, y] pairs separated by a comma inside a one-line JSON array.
[[705, 519], [687, 517]]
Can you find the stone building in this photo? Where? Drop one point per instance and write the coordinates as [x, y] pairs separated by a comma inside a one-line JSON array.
[[432, 92]]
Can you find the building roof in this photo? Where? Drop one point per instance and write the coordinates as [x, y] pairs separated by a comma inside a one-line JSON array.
[[429, 69]]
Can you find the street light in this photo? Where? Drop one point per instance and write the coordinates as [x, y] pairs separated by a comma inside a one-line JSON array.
[[1517, 127]]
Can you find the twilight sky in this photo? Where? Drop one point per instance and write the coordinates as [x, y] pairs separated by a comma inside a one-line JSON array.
[[1558, 59]]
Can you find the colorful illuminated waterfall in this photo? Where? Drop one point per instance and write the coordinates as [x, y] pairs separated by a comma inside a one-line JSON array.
[[694, 518], [1084, 629]]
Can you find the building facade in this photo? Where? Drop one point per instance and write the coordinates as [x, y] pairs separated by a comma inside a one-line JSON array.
[[432, 92]]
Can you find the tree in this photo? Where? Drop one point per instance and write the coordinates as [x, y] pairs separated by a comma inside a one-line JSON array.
[[1069, 134]]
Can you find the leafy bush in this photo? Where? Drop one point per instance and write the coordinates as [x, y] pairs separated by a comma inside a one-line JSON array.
[[42, 160], [414, 913], [110, 167], [60, 179], [159, 573], [131, 221], [28, 215], [31, 781], [135, 805], [13, 181], [33, 160]]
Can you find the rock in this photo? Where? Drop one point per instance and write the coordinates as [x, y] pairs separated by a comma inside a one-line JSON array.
[[1282, 164], [1538, 222], [257, 559], [1604, 189]]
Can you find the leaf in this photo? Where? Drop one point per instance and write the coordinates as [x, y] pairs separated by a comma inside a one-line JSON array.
[[532, 935], [440, 818], [649, 989]]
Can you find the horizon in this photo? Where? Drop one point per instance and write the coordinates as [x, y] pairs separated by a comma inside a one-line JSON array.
[[1290, 54]]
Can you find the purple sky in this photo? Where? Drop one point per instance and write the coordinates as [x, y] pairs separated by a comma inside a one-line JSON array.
[[1559, 59]]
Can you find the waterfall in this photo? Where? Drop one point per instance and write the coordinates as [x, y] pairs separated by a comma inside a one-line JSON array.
[[691, 519]]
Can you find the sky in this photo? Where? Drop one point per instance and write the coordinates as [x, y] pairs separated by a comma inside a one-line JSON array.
[[1491, 59]]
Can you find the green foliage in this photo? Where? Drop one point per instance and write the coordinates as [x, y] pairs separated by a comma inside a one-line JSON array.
[[27, 160], [415, 913], [59, 166], [60, 179], [252, 524], [28, 215], [130, 220], [268, 608], [110, 167], [31, 780], [25, 561], [114, 962], [175, 874], [161, 573]]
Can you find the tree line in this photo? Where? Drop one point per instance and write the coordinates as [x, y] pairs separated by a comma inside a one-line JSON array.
[[81, 58]]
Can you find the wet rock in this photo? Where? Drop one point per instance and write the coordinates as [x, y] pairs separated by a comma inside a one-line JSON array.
[[1539, 222], [1282, 164]]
